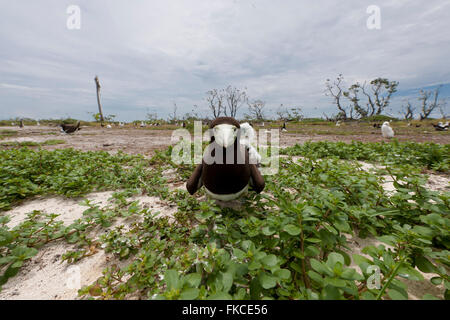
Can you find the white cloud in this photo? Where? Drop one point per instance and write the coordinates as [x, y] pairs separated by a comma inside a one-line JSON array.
[[151, 54]]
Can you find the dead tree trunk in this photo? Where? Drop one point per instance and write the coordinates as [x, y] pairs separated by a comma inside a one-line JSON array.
[[97, 83]]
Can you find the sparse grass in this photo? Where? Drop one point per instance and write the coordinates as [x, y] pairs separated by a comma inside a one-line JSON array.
[[19, 144], [7, 133]]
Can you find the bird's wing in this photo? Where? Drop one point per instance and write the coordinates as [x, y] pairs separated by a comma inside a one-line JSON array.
[[257, 179], [195, 182]]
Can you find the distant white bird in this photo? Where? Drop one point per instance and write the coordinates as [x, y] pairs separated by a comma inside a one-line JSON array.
[[38, 124], [246, 138], [108, 126], [386, 130], [338, 123], [142, 124], [121, 124]]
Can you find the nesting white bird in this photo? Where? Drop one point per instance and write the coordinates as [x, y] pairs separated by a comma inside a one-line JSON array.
[[247, 137], [440, 126], [386, 130], [108, 126]]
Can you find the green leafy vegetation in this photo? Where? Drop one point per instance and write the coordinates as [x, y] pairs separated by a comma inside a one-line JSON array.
[[291, 242], [426, 155]]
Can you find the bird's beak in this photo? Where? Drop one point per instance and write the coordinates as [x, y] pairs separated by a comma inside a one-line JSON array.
[[224, 135]]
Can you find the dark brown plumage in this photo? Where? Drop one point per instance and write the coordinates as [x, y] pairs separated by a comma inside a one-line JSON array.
[[220, 177], [67, 128]]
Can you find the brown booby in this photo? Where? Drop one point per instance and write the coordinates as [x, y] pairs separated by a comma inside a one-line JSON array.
[[67, 128], [225, 178]]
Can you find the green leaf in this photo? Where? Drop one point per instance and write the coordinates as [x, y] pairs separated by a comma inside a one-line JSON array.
[[283, 274], [360, 259], [321, 268], [269, 260], [267, 231], [292, 230], [425, 265], [313, 240], [335, 282], [351, 274], [172, 280], [7, 259], [239, 253], [395, 295], [428, 296], [189, 294], [315, 276], [220, 296], [368, 296], [312, 251], [410, 273], [331, 293], [267, 281], [227, 281], [390, 240], [334, 258], [193, 279]]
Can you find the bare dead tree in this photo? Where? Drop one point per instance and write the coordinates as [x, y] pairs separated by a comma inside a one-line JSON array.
[[215, 102], [255, 109], [334, 89], [281, 113], [408, 111], [234, 98], [173, 115], [441, 109], [427, 106], [97, 84]]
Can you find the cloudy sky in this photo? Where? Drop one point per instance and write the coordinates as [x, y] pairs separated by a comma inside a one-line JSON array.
[[152, 54]]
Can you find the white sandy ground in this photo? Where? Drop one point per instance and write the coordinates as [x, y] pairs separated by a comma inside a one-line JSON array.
[[45, 277]]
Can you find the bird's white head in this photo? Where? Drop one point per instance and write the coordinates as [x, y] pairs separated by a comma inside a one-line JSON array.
[[225, 134], [385, 123]]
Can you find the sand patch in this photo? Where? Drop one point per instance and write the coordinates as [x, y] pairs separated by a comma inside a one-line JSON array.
[[46, 277], [69, 210]]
